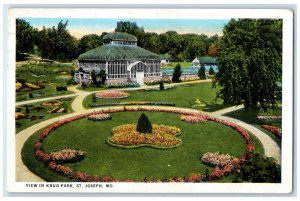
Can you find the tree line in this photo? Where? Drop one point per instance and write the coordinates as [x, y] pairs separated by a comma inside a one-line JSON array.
[[57, 43]]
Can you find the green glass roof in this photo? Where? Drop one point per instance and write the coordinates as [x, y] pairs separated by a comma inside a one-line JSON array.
[[111, 52], [120, 36]]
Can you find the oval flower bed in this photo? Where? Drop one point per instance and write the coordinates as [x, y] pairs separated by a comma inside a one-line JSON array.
[[111, 94], [162, 136], [67, 156], [217, 159], [216, 173], [99, 117]]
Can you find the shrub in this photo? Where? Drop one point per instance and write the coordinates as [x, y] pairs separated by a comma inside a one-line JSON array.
[[211, 71], [177, 73], [259, 169], [161, 85], [61, 88], [30, 95], [144, 125], [201, 73], [27, 109]]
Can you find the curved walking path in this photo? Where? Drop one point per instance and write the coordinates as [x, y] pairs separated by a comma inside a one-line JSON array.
[[25, 175]]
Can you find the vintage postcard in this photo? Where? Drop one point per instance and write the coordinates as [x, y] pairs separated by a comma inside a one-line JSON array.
[[149, 100]]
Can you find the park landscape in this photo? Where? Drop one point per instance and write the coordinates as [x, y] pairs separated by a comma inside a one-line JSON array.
[[197, 122]]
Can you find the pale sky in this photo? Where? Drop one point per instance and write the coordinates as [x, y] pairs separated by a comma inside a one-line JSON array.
[[79, 27]]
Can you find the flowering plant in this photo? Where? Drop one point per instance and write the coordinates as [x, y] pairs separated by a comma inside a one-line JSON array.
[[193, 118], [67, 155], [217, 159], [161, 135], [273, 129], [216, 173], [110, 94], [58, 110], [99, 117], [18, 86], [269, 117]]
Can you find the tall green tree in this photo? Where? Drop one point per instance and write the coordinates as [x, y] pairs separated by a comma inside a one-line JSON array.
[[177, 73], [89, 42], [25, 37], [250, 62], [201, 73], [57, 43]]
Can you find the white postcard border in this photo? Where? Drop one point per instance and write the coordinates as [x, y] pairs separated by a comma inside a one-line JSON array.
[[120, 13]]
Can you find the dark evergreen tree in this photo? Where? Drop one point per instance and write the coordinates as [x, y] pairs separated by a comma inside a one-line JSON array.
[[250, 62], [144, 125], [102, 76], [177, 73], [161, 85], [27, 109], [211, 71], [201, 73], [94, 77]]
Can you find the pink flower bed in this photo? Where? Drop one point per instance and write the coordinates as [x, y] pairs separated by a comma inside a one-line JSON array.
[[217, 173], [193, 118], [273, 129], [269, 117], [217, 159], [111, 94], [99, 117], [65, 155]]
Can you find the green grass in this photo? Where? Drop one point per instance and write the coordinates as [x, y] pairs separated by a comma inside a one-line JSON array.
[[91, 88], [182, 96], [250, 117], [104, 159], [48, 75], [21, 124]]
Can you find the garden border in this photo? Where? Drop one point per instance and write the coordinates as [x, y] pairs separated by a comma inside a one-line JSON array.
[[217, 173]]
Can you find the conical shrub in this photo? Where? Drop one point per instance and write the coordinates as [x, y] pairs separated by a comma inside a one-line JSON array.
[[144, 124]]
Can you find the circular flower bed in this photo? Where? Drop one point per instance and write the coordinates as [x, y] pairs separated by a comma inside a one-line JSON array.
[[111, 94], [162, 136], [67, 156], [217, 173], [99, 117], [192, 118], [217, 159]]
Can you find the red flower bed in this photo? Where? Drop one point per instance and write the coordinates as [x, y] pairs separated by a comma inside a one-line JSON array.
[[110, 94], [273, 129], [217, 173]]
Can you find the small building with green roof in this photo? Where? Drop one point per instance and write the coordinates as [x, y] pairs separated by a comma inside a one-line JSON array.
[[121, 59]]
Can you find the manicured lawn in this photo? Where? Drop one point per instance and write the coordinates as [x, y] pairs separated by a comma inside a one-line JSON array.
[[182, 96], [139, 163], [38, 113], [48, 75], [91, 88], [250, 116]]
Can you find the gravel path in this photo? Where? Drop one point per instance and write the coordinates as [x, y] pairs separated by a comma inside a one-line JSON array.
[[25, 175]]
